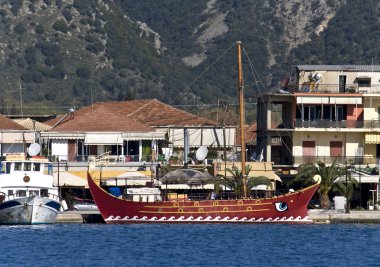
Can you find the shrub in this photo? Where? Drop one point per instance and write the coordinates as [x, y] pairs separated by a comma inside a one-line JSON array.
[[20, 29], [83, 73], [60, 26], [40, 29]]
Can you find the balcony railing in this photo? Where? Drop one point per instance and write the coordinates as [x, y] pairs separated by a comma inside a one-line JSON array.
[[369, 124], [336, 88], [333, 124], [86, 158], [358, 160]]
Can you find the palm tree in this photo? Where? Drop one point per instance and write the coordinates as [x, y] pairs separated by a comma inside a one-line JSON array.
[[328, 175], [346, 188], [236, 182]]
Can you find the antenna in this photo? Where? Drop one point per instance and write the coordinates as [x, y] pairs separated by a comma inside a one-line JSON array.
[[201, 153], [34, 149], [22, 113]]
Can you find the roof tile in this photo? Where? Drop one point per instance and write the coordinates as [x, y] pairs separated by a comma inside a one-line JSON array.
[[8, 124]]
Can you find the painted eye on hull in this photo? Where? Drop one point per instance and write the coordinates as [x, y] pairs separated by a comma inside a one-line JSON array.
[[281, 206]]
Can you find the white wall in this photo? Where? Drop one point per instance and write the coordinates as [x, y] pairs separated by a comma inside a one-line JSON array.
[[59, 147], [371, 107], [350, 141]]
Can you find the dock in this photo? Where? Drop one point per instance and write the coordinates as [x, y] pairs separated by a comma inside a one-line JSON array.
[[318, 216], [339, 216], [79, 217]]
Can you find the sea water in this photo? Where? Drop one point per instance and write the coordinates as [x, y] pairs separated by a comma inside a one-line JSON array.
[[190, 245]]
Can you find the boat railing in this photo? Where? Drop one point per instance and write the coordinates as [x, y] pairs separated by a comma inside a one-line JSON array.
[[18, 195], [193, 196]]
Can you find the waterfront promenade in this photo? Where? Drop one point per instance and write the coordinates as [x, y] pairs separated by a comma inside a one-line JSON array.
[[317, 215], [339, 216]]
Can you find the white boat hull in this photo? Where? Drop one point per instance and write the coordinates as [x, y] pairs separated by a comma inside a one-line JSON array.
[[29, 210]]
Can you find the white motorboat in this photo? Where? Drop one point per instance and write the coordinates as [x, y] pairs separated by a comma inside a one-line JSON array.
[[27, 192]]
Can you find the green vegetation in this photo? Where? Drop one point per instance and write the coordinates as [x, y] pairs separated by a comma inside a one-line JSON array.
[[328, 174], [69, 53]]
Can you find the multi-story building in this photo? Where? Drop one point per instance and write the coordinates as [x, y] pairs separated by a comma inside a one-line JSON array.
[[325, 112]]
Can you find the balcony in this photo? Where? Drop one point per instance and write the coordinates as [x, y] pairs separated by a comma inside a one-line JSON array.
[[336, 88], [369, 124], [359, 160], [334, 124]]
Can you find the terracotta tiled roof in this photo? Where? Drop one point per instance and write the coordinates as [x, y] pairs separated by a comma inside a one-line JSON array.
[[100, 118], [156, 113], [150, 112], [250, 134], [8, 124], [32, 124]]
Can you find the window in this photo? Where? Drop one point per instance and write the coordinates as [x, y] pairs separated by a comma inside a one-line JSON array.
[[44, 193], [36, 167], [27, 166], [21, 193], [364, 82], [8, 168], [10, 192], [18, 166], [34, 193]]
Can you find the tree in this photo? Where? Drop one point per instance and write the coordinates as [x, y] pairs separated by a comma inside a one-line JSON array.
[[329, 174], [346, 188], [236, 182]]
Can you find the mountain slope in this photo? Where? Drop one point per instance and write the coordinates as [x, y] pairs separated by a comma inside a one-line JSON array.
[[56, 54]]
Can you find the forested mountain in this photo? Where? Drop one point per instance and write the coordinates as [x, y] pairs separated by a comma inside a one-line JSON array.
[[56, 54]]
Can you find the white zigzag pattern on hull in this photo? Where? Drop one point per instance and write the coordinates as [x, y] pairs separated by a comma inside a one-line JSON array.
[[207, 219]]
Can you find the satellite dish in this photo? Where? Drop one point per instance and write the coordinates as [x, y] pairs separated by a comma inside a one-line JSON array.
[[34, 149], [201, 153]]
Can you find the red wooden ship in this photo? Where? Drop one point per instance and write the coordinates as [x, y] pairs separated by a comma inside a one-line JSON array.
[[287, 208]]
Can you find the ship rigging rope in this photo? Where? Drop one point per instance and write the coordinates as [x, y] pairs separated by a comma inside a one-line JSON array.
[[258, 81], [203, 72]]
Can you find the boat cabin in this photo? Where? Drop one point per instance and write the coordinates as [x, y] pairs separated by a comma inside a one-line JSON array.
[[22, 178]]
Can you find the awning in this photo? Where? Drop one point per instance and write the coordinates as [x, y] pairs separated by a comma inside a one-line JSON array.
[[268, 174], [257, 169], [70, 180], [17, 137], [103, 139], [144, 136], [373, 138], [366, 179], [140, 181]]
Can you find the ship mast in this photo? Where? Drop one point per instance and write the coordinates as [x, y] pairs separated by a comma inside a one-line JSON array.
[[242, 123]]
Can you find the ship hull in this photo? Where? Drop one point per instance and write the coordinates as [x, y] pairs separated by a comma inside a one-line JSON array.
[[29, 211], [288, 208]]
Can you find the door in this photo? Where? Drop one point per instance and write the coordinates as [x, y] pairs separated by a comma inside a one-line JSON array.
[[342, 83], [336, 149], [72, 150], [308, 151], [308, 148]]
